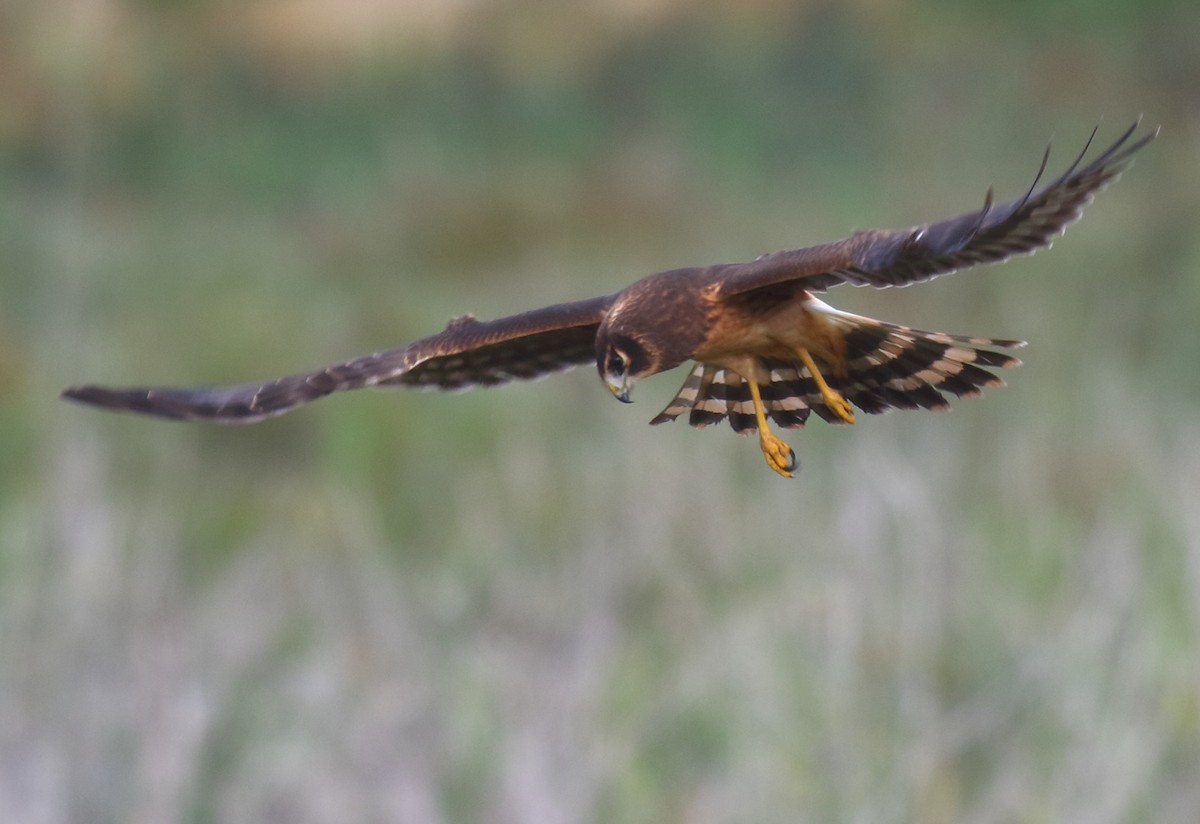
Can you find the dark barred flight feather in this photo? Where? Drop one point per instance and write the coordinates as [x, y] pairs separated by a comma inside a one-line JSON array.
[[899, 257], [887, 367], [466, 353]]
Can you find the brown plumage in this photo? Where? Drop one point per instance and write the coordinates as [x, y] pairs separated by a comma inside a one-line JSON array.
[[764, 346]]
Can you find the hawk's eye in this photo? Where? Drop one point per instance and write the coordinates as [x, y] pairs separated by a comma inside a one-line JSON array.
[[617, 362], [635, 358]]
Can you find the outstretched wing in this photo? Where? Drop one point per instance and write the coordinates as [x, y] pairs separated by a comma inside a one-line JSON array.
[[898, 257], [466, 353]]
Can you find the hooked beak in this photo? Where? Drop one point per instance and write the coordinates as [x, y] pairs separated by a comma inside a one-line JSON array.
[[620, 389]]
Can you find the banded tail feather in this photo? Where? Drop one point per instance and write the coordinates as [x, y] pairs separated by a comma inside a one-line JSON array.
[[886, 367]]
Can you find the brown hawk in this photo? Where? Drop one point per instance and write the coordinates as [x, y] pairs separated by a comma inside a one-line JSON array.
[[764, 347]]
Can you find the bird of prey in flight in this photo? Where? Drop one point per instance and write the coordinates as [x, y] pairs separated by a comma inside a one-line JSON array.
[[763, 347]]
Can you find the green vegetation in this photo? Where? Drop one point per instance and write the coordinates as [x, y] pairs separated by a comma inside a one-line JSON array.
[[524, 604]]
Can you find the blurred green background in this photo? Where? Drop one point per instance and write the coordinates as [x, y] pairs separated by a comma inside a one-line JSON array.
[[524, 604]]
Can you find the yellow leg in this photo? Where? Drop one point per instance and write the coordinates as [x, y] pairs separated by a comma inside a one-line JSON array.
[[779, 455], [833, 399]]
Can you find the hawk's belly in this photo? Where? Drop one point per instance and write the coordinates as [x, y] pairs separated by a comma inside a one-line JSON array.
[[740, 338]]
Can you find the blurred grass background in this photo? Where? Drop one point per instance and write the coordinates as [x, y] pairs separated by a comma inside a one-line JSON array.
[[524, 604]]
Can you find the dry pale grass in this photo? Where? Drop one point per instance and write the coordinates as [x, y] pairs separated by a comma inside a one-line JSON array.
[[611, 643]]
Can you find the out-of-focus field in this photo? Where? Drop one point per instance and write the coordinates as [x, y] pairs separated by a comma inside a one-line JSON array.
[[524, 604]]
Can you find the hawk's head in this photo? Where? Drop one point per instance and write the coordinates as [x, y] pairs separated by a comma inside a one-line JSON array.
[[654, 325], [622, 359]]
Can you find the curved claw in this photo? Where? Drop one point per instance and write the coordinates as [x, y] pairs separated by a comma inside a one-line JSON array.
[[839, 406], [779, 455]]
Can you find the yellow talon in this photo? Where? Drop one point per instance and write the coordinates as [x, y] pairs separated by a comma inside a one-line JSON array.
[[833, 399], [779, 455], [838, 405]]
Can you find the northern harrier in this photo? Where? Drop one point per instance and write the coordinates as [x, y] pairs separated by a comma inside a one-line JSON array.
[[764, 347]]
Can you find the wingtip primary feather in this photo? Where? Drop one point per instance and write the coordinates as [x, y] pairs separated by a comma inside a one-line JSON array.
[[93, 395], [126, 400]]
